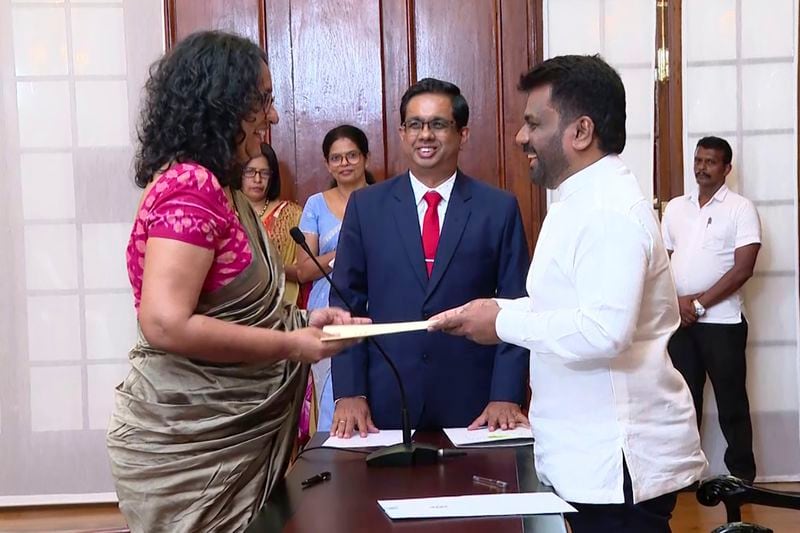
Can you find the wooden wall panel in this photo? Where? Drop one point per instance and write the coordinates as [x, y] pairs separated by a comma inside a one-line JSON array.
[[336, 60], [397, 43], [456, 41], [514, 20], [245, 17], [279, 53]]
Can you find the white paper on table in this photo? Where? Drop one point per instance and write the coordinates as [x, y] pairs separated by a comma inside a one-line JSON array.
[[385, 437], [507, 504], [353, 331], [483, 438]]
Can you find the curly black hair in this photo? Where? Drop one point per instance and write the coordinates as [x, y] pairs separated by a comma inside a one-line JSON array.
[[194, 103]]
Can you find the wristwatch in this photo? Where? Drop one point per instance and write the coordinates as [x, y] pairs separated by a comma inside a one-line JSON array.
[[699, 310]]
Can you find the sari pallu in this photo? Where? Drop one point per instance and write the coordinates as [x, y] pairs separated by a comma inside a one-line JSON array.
[[198, 446], [278, 222]]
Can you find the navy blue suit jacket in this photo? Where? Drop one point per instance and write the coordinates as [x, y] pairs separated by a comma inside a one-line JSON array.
[[380, 269]]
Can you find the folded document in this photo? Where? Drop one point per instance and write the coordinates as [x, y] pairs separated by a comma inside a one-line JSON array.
[[509, 504], [483, 438], [354, 331], [385, 437]]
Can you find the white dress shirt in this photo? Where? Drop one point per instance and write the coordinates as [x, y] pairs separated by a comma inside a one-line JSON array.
[[704, 239], [444, 189], [601, 310]]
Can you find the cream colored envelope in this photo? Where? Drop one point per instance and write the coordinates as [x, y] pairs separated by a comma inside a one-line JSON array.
[[354, 331]]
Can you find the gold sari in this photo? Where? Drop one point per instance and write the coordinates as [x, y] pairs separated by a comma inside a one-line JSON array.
[[278, 222], [198, 446]]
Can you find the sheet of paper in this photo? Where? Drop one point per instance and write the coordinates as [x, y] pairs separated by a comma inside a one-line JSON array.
[[508, 504], [483, 438], [386, 437], [352, 331]]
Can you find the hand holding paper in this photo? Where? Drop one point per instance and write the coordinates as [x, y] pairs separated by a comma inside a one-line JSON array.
[[474, 320], [500, 415]]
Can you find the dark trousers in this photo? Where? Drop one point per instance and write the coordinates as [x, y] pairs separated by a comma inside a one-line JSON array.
[[651, 516], [719, 351]]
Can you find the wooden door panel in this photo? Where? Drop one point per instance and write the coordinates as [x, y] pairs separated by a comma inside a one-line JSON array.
[[398, 38], [245, 17], [278, 41], [336, 59], [455, 40]]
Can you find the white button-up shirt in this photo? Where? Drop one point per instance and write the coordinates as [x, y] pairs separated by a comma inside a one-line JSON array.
[[601, 310], [444, 189], [704, 239]]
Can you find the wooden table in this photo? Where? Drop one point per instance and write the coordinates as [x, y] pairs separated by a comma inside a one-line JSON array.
[[347, 503]]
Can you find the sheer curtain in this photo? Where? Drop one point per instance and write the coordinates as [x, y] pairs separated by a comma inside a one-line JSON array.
[[71, 72], [740, 83], [624, 33]]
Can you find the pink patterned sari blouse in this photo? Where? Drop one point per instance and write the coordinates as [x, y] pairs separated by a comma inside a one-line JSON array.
[[188, 204]]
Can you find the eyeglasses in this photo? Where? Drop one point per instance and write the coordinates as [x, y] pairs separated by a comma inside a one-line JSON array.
[[436, 125], [250, 173], [351, 157]]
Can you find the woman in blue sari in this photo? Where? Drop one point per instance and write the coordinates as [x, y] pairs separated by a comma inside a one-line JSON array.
[[346, 152]]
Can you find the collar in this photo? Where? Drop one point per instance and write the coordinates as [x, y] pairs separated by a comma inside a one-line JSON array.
[[589, 175], [444, 189], [719, 196]]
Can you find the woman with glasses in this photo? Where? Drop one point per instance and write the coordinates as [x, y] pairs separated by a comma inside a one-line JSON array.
[[261, 184], [346, 152], [204, 423]]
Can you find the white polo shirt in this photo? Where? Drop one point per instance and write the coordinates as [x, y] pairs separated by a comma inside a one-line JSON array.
[[601, 310], [703, 241]]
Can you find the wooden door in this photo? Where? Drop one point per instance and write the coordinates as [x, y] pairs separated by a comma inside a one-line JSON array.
[[349, 61]]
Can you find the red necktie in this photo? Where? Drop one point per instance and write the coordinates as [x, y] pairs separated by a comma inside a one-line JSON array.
[[430, 228]]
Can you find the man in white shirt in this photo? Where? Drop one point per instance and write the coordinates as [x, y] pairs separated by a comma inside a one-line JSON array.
[[613, 420], [713, 236]]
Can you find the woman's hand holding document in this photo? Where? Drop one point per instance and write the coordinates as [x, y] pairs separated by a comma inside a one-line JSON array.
[[353, 331]]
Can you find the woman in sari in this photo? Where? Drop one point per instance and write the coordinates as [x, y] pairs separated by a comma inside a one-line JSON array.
[[346, 152], [205, 421], [261, 184]]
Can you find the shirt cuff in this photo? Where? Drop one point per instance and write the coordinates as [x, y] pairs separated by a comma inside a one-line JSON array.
[[344, 397], [510, 326], [746, 240]]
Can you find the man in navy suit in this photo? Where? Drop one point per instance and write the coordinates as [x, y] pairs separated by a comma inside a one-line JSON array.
[[428, 240]]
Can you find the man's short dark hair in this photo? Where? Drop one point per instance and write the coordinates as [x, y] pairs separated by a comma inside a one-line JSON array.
[[584, 85], [434, 86], [717, 143]]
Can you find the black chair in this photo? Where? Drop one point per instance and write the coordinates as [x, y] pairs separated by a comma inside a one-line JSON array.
[[733, 493]]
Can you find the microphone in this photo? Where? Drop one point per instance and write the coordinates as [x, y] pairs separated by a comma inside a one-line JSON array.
[[408, 453]]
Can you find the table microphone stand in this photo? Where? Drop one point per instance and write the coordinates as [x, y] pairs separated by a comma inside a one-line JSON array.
[[408, 453]]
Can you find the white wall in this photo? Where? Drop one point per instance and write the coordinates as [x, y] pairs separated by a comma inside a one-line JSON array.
[[740, 83], [71, 77]]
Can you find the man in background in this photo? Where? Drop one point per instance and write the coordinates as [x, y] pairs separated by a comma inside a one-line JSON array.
[[713, 236]]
